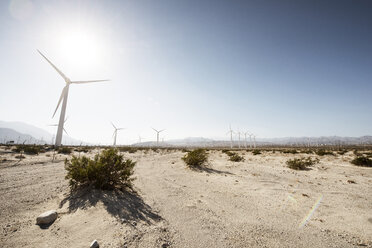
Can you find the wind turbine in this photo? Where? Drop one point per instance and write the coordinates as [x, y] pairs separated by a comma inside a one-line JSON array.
[[115, 134], [238, 133], [254, 141], [157, 135], [139, 139], [245, 139], [56, 125], [64, 96], [231, 137]]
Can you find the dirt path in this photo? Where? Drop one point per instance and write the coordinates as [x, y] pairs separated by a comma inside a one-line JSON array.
[[256, 203]]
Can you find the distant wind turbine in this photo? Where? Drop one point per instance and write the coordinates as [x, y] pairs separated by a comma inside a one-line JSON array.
[[245, 139], [64, 96], [231, 137], [238, 133], [157, 135], [115, 134]]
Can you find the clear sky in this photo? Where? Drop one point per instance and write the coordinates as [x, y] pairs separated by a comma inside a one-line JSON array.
[[275, 68]]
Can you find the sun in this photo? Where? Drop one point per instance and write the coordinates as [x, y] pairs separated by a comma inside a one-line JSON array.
[[80, 47]]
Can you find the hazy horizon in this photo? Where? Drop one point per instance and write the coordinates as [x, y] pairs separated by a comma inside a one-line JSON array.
[[274, 68]]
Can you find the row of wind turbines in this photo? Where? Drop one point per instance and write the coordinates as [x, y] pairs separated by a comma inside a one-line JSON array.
[[238, 133], [64, 96], [63, 99]]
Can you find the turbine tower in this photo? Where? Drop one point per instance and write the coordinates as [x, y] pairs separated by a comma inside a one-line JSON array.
[[157, 135], [115, 134], [238, 133], [254, 141], [64, 97], [245, 139], [231, 137]]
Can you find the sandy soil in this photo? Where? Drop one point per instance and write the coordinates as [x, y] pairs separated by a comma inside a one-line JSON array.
[[256, 203]]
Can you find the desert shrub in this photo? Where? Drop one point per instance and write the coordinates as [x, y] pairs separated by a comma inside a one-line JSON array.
[[290, 151], [342, 152], [107, 170], [301, 163], [28, 149], [20, 156], [228, 153], [256, 152], [307, 151], [196, 158], [362, 161], [128, 149], [65, 150], [322, 152], [236, 158]]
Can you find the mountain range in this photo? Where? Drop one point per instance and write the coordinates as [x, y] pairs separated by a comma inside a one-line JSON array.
[[21, 132]]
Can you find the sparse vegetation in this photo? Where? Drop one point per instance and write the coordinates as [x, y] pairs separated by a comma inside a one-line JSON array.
[[233, 156], [342, 152], [301, 163], [65, 150], [28, 149], [196, 158], [256, 152], [292, 151], [322, 152], [236, 158], [362, 161], [128, 149], [108, 170]]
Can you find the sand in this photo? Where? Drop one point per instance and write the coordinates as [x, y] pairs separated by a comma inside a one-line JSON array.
[[256, 203]]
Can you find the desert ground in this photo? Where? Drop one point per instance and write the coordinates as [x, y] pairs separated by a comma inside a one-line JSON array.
[[259, 202]]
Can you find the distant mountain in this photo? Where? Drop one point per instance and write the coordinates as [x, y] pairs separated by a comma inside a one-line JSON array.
[[38, 135], [8, 135], [287, 141]]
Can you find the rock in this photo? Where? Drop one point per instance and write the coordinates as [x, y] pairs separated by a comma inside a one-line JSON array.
[[47, 217], [94, 244]]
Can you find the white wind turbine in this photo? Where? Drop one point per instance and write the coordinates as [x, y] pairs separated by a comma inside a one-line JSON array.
[[64, 97], [56, 125], [254, 141], [238, 133], [231, 137], [245, 139], [250, 139], [157, 135], [115, 134]]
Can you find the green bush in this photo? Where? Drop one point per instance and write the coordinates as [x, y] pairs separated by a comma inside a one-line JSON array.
[[301, 163], [28, 149], [256, 152], [342, 152], [65, 150], [196, 158], [322, 152], [236, 158], [290, 151], [107, 170], [362, 161]]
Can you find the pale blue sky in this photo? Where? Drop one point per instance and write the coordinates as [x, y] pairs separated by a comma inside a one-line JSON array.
[[275, 68]]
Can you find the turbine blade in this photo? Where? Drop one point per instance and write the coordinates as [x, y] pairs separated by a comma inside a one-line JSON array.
[[90, 81], [65, 131], [66, 119], [59, 72], [155, 130], [161, 130], [60, 99], [113, 125]]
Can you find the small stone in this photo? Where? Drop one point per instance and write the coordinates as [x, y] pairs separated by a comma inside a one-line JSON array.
[[94, 244], [47, 217]]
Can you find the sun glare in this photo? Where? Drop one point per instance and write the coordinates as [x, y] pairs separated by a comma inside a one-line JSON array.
[[80, 48]]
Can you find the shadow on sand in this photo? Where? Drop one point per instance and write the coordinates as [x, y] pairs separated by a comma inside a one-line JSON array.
[[124, 205], [210, 170]]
